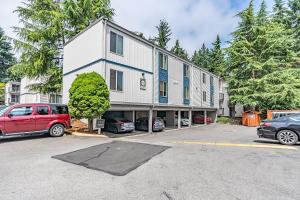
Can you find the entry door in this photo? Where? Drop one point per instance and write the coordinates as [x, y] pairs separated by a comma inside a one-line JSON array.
[[20, 119]]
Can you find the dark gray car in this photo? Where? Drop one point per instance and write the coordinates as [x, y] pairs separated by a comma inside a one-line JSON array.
[[142, 124]]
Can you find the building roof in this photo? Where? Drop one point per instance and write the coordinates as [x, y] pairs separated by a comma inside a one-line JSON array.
[[144, 40]]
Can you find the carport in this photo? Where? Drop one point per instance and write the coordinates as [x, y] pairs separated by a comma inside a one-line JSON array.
[[198, 117]]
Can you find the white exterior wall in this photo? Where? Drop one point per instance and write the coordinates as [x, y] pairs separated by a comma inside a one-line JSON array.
[[197, 87], [175, 81], [86, 48], [205, 87]]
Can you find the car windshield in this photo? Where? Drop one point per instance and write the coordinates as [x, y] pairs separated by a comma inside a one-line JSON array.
[[3, 109]]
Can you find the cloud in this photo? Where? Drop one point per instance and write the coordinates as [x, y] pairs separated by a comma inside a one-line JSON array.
[[192, 21]]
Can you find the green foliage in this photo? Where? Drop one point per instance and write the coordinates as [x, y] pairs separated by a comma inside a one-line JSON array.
[[258, 52], [280, 13], [224, 120], [7, 58], [164, 33], [89, 96], [217, 63], [179, 51], [2, 92], [46, 25], [262, 15], [202, 58]]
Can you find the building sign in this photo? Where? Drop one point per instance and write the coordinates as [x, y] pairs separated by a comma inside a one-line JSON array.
[[100, 123], [143, 84]]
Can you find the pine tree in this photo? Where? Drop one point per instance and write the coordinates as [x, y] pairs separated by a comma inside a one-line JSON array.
[[179, 51], [164, 33], [204, 57], [262, 16], [294, 17], [7, 58], [46, 26], [280, 13], [258, 52], [217, 64]]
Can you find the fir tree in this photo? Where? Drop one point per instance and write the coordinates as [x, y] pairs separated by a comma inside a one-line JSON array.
[[179, 51], [262, 16], [7, 58], [164, 33], [280, 13], [217, 64]]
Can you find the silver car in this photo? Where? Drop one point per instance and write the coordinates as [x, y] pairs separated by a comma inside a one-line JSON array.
[[116, 125]]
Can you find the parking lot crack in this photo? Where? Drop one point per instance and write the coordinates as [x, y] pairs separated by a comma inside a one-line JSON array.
[[167, 195], [97, 156]]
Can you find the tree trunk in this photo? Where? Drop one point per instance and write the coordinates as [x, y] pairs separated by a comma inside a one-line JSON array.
[[90, 124]]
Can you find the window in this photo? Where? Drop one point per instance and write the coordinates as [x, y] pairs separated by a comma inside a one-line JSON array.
[[42, 110], [163, 89], [116, 80], [204, 78], [15, 98], [15, 88], [186, 71], [186, 93], [204, 96], [21, 111], [116, 43], [57, 109], [163, 61], [55, 98]]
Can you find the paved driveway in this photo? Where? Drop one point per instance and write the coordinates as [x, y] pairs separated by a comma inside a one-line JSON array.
[[211, 162]]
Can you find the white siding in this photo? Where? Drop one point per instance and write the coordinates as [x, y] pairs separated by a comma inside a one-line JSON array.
[[197, 87], [205, 87], [84, 49], [135, 53], [175, 81]]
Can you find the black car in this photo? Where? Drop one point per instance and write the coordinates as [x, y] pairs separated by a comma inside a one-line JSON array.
[[284, 129]]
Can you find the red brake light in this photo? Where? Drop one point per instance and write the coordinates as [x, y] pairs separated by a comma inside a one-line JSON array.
[[267, 124]]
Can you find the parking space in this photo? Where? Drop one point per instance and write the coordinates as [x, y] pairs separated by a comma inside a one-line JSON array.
[[207, 162]]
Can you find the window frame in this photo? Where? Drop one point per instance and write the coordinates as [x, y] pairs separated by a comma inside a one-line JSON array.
[[186, 70], [164, 91], [116, 47], [117, 74], [204, 96], [204, 78], [164, 63], [10, 112], [186, 93]]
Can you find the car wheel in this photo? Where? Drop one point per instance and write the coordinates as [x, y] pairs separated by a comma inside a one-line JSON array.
[[57, 130], [287, 137], [116, 130]]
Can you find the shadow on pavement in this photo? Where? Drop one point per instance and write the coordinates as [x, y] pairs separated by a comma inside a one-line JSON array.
[[119, 135], [6, 140]]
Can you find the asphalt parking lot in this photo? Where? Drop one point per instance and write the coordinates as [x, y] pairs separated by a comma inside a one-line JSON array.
[[209, 162]]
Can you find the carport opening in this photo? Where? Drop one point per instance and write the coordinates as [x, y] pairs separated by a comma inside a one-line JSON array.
[[168, 117], [198, 117], [184, 118]]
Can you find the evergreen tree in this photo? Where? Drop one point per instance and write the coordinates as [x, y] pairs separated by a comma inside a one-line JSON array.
[[294, 17], [195, 58], [262, 16], [204, 57], [255, 52], [46, 26], [7, 58], [280, 13], [164, 33], [179, 51], [217, 64]]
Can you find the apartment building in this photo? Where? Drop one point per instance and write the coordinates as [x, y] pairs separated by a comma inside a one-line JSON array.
[[144, 79], [12, 93]]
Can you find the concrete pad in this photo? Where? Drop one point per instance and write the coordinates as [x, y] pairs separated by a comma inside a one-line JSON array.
[[117, 158]]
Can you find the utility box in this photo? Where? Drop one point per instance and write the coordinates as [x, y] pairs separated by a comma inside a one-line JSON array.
[[251, 118]]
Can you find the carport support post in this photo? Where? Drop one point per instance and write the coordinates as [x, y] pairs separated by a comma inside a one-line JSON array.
[[190, 118], [205, 116], [133, 116], [179, 119], [150, 120]]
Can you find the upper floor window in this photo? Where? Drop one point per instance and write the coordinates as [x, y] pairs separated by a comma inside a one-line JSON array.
[[204, 78], [116, 43], [163, 89], [186, 93], [204, 96], [55, 98], [116, 80], [186, 70], [163, 61]]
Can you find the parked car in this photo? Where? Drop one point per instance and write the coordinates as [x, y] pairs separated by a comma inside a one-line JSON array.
[[117, 125], [201, 119], [22, 120], [142, 124], [183, 122], [284, 129]]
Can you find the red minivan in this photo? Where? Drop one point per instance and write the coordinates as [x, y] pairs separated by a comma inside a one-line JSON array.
[[34, 119]]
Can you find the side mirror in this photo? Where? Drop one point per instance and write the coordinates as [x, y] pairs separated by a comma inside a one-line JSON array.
[[10, 115]]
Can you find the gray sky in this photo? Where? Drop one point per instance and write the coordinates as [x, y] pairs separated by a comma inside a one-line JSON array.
[[192, 21]]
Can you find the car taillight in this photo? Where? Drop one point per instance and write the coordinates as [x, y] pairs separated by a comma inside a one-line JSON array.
[[267, 124]]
